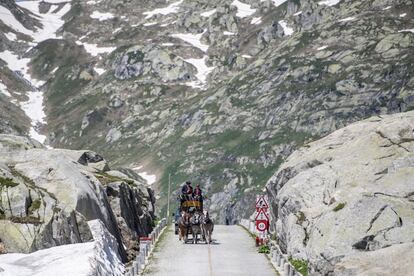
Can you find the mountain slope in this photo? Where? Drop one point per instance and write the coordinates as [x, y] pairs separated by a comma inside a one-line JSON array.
[[220, 92]]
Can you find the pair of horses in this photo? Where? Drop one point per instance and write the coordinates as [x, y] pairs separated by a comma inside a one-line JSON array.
[[198, 224]]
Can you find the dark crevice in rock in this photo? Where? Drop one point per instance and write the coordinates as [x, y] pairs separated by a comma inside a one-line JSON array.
[[376, 217], [392, 142], [378, 178], [386, 156], [90, 157], [365, 243], [400, 221], [384, 194], [385, 171]]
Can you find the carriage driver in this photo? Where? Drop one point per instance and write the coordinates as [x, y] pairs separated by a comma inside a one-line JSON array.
[[186, 191]]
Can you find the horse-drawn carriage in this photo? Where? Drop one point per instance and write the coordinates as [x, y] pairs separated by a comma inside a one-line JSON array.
[[192, 219]]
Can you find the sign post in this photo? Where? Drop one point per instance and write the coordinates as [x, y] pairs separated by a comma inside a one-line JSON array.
[[262, 221], [262, 215]]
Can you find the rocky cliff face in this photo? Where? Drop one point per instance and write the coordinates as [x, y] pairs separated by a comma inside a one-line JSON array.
[[345, 203], [47, 196], [220, 92]]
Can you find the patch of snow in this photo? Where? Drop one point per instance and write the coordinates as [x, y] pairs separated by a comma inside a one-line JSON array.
[[34, 110], [243, 10], [208, 13], [102, 16], [150, 24], [277, 3], [92, 2], [106, 258], [173, 8], [115, 31], [3, 90], [193, 39], [246, 56], [79, 259], [167, 44], [387, 8], [406, 31], [8, 19], [168, 23], [329, 2], [202, 70], [65, 260], [150, 178], [94, 50], [298, 13], [15, 63], [54, 70], [286, 29], [256, 20], [51, 22], [322, 48], [228, 33], [403, 15], [57, 1], [11, 36], [347, 19], [100, 71]]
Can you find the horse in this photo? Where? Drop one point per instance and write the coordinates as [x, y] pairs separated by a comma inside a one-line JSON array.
[[183, 225], [207, 227], [195, 222]]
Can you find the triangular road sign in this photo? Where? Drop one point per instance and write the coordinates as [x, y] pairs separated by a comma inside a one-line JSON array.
[[261, 215], [261, 202]]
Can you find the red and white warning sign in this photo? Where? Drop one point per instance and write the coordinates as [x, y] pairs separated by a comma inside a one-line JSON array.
[[262, 221], [262, 225], [262, 203], [261, 215]]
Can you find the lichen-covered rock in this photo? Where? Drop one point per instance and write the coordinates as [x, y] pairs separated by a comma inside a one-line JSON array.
[[47, 197], [152, 60], [341, 201]]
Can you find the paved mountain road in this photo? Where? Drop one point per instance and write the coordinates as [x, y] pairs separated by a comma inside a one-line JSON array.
[[231, 253]]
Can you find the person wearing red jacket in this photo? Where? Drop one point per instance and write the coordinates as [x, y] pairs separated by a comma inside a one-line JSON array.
[[198, 195]]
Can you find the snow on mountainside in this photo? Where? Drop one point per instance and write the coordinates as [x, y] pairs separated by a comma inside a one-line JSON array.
[[220, 92], [49, 23]]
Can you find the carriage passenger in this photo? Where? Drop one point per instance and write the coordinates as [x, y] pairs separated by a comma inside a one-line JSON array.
[[198, 195]]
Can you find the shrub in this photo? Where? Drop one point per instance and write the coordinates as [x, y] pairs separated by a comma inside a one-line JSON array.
[[339, 206], [300, 265], [264, 249]]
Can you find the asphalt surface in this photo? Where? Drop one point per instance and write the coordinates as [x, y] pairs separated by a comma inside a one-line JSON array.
[[232, 253]]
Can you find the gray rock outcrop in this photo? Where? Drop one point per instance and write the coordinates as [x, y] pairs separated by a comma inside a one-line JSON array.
[[152, 61], [47, 197], [345, 202]]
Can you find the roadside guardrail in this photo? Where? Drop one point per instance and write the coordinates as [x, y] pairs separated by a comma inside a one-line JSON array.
[[146, 246], [279, 260]]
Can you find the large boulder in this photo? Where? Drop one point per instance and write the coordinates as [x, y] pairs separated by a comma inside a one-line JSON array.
[[345, 202], [47, 197]]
